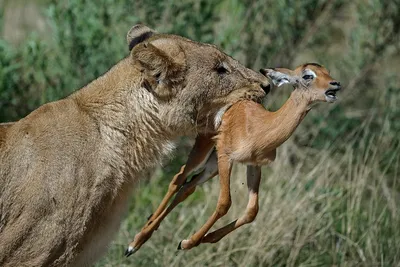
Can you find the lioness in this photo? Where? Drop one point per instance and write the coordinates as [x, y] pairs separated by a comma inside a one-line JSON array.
[[68, 168]]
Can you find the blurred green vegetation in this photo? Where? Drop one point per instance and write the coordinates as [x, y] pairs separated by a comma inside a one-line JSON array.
[[332, 197]]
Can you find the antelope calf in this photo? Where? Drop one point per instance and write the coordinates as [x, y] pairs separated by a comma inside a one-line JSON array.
[[247, 133]]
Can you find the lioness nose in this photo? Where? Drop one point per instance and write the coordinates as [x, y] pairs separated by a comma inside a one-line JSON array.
[[266, 87]]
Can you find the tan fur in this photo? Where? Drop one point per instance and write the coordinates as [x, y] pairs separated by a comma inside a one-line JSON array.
[[249, 134], [68, 168], [3, 131]]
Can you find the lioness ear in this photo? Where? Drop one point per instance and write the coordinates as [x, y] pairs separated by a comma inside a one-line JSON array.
[[162, 70], [280, 76], [138, 34]]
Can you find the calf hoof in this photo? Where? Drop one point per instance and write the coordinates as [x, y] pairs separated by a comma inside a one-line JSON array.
[[129, 251]]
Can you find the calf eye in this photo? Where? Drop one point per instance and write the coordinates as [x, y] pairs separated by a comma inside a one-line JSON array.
[[308, 77]]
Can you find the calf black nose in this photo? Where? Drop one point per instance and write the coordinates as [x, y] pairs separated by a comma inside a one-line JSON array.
[[266, 87], [335, 83]]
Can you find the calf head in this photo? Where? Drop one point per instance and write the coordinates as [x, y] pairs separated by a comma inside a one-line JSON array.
[[313, 80]]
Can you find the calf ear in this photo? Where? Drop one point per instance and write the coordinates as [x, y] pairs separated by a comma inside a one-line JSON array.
[[280, 76], [138, 34]]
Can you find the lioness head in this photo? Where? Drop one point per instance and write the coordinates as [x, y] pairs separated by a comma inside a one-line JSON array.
[[191, 80]]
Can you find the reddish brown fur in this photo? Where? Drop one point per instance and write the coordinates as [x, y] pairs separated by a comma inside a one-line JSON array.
[[246, 140]]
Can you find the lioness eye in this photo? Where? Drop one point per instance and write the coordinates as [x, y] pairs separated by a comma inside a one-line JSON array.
[[222, 69], [308, 77]]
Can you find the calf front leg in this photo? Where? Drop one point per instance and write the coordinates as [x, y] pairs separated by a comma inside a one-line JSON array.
[[198, 157], [201, 157], [253, 184], [223, 205]]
